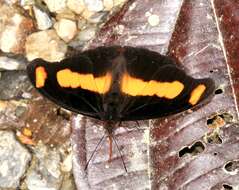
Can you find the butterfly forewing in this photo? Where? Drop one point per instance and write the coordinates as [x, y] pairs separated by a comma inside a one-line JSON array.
[[63, 84]]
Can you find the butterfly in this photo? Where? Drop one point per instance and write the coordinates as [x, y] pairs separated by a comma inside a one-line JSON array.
[[115, 84]]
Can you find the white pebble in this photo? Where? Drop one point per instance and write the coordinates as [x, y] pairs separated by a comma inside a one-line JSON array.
[[66, 29], [43, 20], [76, 6]]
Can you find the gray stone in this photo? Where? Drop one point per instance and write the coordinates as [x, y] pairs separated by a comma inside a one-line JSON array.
[[44, 173], [13, 84], [13, 160], [7, 63]]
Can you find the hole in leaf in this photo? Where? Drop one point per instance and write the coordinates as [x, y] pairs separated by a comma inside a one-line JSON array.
[[219, 120], [211, 71], [215, 153], [218, 91], [195, 149], [227, 187], [232, 166], [213, 138]]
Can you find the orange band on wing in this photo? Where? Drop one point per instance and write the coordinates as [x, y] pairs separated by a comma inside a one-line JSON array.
[[69, 79], [40, 75], [196, 94], [137, 87]]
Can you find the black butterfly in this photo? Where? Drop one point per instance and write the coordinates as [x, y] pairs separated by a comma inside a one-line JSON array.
[[115, 84]]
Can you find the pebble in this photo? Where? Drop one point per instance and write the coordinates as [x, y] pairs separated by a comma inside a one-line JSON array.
[[67, 14], [13, 160], [87, 14], [94, 5], [81, 23], [56, 5], [14, 28], [76, 6], [66, 165], [87, 34], [119, 2], [7, 63], [43, 20], [46, 45], [98, 17], [11, 2], [24, 3], [108, 4], [66, 29], [44, 172], [13, 84]]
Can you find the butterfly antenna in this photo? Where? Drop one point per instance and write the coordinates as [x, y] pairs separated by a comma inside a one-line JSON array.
[[93, 153], [121, 156]]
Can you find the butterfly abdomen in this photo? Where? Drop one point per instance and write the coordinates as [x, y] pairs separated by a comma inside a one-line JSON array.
[[113, 99]]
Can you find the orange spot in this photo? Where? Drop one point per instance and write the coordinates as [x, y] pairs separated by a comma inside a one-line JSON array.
[[25, 139], [41, 76], [27, 132], [68, 79], [196, 94], [137, 87]]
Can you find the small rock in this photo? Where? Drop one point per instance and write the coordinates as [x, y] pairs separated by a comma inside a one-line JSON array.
[[119, 2], [66, 29], [66, 166], [66, 14], [76, 6], [94, 5], [68, 182], [24, 3], [87, 14], [11, 2], [44, 172], [56, 5], [81, 23], [13, 160], [108, 4], [98, 17], [43, 20], [13, 84], [14, 28], [46, 45], [7, 63], [87, 34]]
